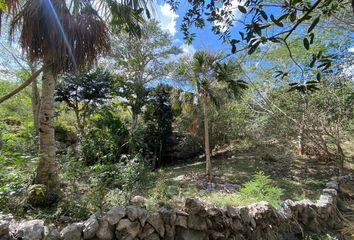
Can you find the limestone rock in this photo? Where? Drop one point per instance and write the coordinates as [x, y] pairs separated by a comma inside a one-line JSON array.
[[71, 232], [132, 213], [90, 227], [195, 206], [169, 232], [232, 212], [153, 236], [181, 221], [142, 216], [127, 230], [114, 215], [105, 231], [147, 230], [197, 222], [5, 220], [189, 234], [31, 230], [168, 216], [51, 233], [156, 221], [138, 201]]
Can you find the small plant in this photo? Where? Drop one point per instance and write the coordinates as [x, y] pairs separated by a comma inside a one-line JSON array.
[[320, 237], [260, 188]]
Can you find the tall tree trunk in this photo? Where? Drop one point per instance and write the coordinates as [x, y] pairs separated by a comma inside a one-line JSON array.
[[206, 135], [36, 101], [134, 122], [302, 126], [132, 129], [47, 171]]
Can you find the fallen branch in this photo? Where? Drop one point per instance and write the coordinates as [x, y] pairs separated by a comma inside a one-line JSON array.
[[22, 86]]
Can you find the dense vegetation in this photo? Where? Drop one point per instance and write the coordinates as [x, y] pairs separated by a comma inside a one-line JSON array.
[[272, 122]]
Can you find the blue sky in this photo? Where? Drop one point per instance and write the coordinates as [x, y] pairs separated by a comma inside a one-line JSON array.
[[171, 22]]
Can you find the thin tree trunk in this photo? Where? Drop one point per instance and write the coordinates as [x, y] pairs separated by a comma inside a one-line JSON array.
[[302, 127], [35, 98], [134, 122], [132, 129], [21, 87], [36, 103], [301, 140], [47, 171], [206, 135]]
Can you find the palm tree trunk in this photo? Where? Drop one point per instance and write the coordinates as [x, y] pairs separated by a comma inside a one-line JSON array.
[[47, 171], [206, 135]]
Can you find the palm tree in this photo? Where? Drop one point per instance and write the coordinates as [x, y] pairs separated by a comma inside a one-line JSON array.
[[205, 72], [65, 38]]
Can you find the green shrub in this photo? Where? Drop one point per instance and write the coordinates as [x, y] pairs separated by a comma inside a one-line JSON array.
[[130, 175], [106, 140], [260, 188], [320, 237]]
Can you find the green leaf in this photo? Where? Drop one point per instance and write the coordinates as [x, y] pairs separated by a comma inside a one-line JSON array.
[[318, 77], [306, 44], [312, 37], [242, 9], [313, 25], [264, 15], [277, 22], [293, 16], [2, 5], [253, 48], [312, 64]]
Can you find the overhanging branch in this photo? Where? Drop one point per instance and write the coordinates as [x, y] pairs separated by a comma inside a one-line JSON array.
[[22, 86]]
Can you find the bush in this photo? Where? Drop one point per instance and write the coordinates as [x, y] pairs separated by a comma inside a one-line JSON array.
[[130, 175], [260, 189], [106, 140]]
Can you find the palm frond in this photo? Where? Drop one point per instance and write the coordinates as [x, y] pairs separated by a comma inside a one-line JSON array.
[[226, 72], [8, 7], [49, 32]]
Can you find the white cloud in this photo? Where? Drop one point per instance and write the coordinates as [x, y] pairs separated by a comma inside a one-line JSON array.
[[187, 50], [167, 18], [351, 49], [236, 14]]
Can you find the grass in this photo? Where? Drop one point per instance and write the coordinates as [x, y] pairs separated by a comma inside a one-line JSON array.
[[288, 176]]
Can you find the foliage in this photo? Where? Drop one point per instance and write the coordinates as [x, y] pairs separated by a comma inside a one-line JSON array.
[[260, 188], [158, 118], [263, 23], [139, 62], [84, 94], [320, 237], [106, 139]]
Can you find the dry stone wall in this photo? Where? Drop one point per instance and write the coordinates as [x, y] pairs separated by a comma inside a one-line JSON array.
[[196, 222]]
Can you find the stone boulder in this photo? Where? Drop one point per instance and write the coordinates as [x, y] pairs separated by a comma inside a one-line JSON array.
[[127, 230], [156, 221], [30, 230], [114, 215], [91, 226], [5, 220], [105, 230], [72, 232], [138, 201], [51, 233]]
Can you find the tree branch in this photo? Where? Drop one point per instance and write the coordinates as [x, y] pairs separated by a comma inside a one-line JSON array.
[[22, 86]]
